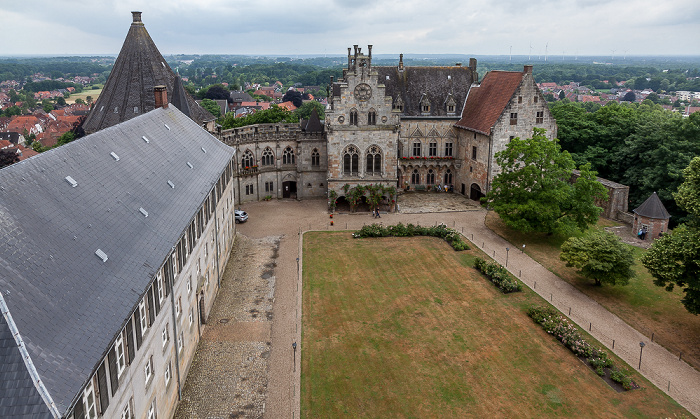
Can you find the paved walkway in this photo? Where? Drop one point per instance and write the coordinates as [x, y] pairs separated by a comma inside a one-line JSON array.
[[289, 219]]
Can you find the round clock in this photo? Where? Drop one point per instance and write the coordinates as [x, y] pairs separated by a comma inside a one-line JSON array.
[[341, 119], [363, 92]]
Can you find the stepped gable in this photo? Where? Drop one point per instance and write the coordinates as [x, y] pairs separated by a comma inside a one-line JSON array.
[[653, 208], [436, 83], [486, 102], [129, 89]]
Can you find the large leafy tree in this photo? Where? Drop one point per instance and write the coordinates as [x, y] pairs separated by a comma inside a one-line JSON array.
[[268, 116], [674, 259], [211, 106], [600, 256], [535, 190], [304, 112], [8, 157]]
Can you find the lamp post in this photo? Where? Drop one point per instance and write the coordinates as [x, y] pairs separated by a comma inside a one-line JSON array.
[[641, 349], [294, 347], [507, 249], [523, 248]]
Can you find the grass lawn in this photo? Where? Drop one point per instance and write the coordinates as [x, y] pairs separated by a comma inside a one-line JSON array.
[[405, 328], [84, 94], [641, 304]]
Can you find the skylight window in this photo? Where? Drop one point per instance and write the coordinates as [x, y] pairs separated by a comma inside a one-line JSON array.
[[72, 181], [190, 165], [114, 156], [171, 184], [102, 255], [146, 139], [166, 126], [143, 211], [204, 150]]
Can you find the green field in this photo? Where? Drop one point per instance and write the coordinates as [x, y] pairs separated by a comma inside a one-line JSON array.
[[404, 328], [83, 95]]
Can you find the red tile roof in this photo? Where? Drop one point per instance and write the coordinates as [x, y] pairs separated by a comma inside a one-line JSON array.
[[486, 102]]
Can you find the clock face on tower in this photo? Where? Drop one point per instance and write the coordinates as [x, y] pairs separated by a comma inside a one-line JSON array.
[[363, 92]]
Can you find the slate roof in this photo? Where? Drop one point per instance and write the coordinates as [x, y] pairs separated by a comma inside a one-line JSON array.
[[653, 208], [434, 82], [313, 124], [68, 304], [486, 102], [19, 397], [128, 91], [238, 97]]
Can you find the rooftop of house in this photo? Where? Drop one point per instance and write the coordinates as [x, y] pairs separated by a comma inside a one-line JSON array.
[[61, 209]]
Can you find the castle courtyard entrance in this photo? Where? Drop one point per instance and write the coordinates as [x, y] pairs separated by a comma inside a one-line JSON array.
[[289, 190]]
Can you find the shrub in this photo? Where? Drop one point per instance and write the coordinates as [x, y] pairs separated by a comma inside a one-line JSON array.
[[498, 275], [409, 230]]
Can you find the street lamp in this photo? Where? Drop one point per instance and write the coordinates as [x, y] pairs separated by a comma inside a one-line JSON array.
[[641, 349], [294, 347], [507, 249], [523, 248]]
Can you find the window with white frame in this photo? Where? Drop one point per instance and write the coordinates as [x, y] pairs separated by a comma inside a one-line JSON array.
[[191, 317], [180, 341], [161, 287], [167, 373], [126, 412], [178, 307], [173, 261], [152, 410], [189, 285], [206, 279], [120, 351], [148, 369], [89, 401], [198, 270], [165, 335], [143, 316], [206, 250]]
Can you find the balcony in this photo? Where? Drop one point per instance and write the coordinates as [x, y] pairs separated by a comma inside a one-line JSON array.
[[252, 170], [426, 160]]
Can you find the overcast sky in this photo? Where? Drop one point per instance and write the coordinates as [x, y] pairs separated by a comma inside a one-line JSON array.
[[285, 27]]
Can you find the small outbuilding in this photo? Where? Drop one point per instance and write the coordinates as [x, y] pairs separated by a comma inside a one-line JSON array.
[[650, 219]]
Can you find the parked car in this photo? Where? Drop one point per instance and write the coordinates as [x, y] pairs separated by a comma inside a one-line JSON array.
[[241, 216]]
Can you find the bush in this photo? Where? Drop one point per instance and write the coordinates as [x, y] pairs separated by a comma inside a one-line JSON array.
[[409, 230], [498, 275]]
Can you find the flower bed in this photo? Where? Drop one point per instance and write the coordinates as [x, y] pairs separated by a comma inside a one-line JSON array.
[[499, 275], [568, 334], [451, 236]]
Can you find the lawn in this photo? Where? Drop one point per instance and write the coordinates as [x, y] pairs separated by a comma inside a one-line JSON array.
[[641, 304], [84, 94], [405, 327]]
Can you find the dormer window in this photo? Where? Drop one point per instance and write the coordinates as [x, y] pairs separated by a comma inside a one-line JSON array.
[[398, 104], [424, 104], [451, 105]]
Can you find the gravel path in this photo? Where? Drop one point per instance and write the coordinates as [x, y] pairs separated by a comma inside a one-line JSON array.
[[272, 236]]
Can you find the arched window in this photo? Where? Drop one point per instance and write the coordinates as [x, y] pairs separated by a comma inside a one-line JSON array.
[[430, 178], [268, 158], [288, 156], [353, 117], [415, 177], [247, 161], [315, 158], [372, 117], [351, 161], [374, 161], [448, 177]]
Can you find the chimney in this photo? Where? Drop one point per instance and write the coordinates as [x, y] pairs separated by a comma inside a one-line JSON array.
[[472, 64], [161, 93], [527, 69], [400, 62], [136, 16]]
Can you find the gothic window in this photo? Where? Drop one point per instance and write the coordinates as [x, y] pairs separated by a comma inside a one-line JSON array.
[[448, 177], [448, 149], [374, 161], [430, 178], [432, 149], [248, 160], [351, 161], [315, 158], [540, 117], [513, 118], [415, 177], [416, 149], [288, 156], [372, 117], [268, 158], [353, 117]]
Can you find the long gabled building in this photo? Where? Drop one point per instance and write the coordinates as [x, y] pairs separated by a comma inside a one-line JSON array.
[[111, 252]]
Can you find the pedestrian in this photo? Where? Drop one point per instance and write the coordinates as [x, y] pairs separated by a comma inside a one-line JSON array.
[[378, 216]]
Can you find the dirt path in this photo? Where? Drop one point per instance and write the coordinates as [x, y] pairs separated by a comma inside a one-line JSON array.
[[283, 222]]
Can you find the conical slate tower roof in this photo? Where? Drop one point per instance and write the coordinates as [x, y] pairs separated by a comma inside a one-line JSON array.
[[653, 208], [129, 89]]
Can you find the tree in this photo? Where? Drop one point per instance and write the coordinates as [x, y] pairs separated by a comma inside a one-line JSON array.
[[88, 99], [8, 156], [212, 107], [600, 256], [294, 97], [674, 259], [562, 95], [304, 112], [268, 116], [217, 92], [80, 101], [61, 101], [629, 97], [535, 190]]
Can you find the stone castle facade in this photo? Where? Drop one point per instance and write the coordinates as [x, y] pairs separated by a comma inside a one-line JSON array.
[[416, 128]]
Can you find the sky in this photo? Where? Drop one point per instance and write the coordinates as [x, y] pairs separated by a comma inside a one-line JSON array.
[[320, 27]]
